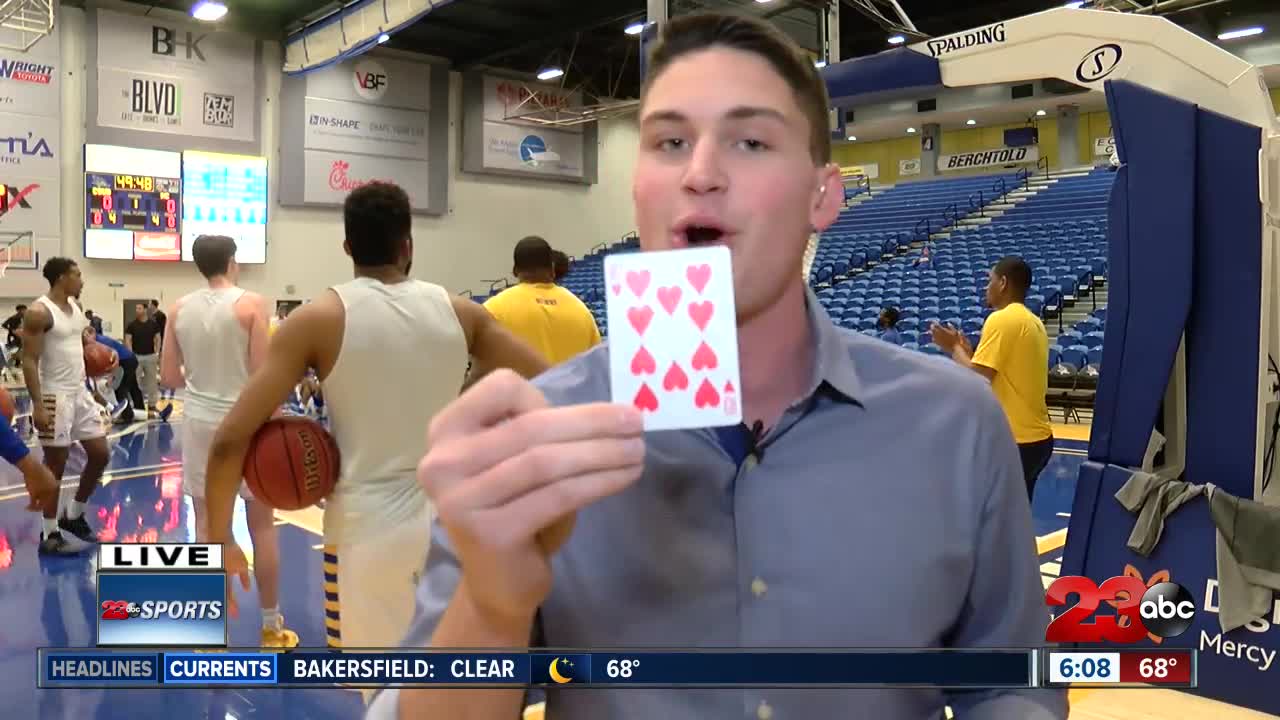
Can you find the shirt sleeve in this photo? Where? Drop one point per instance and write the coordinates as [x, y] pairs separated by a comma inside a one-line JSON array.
[[12, 449], [1005, 604], [993, 346]]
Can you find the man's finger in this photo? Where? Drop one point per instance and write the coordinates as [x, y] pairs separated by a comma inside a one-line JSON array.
[[244, 579], [484, 449], [545, 506], [499, 395], [545, 464]]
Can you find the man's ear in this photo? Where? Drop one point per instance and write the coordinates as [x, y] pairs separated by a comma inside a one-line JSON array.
[[828, 197]]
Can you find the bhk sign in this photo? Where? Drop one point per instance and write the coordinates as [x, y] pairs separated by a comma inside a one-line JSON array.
[[989, 158], [175, 78]]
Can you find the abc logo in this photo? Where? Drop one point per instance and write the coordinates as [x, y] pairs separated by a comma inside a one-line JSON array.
[[1167, 609]]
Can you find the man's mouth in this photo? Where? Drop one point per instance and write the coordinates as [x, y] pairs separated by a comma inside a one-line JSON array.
[[700, 232]]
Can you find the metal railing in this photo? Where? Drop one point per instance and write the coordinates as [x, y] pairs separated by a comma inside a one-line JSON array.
[[979, 205]]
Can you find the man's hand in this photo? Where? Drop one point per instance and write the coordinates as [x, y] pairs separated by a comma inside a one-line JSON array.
[[237, 566], [40, 417], [946, 337], [507, 473]]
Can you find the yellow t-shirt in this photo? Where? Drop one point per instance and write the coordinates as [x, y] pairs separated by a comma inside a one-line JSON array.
[[548, 317], [1015, 345]]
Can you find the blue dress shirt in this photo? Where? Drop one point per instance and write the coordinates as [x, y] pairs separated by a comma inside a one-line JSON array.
[[886, 508]]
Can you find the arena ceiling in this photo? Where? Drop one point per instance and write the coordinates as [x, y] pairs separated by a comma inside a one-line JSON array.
[[586, 39]]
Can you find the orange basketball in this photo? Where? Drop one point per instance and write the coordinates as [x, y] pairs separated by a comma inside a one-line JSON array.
[[292, 463], [97, 359], [7, 408]]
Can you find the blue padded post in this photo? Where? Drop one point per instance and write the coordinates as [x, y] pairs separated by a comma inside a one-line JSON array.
[[1224, 327], [1150, 224], [1229, 670]]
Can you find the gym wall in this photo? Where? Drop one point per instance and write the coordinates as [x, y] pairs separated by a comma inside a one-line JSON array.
[[470, 243]]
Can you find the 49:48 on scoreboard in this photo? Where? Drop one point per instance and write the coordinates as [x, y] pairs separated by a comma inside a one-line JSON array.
[[161, 595]]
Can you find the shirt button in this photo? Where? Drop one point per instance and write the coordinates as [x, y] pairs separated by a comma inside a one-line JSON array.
[[758, 587], [765, 711], [750, 463]]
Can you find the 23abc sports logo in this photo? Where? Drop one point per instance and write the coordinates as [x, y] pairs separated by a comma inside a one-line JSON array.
[[1164, 610], [162, 610]]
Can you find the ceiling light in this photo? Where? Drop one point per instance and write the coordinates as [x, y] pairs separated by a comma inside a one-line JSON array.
[[970, 122], [550, 73], [1041, 113], [896, 39], [208, 10], [819, 64], [383, 38], [910, 130], [634, 28], [763, 1], [853, 137], [1075, 4], [1243, 32]]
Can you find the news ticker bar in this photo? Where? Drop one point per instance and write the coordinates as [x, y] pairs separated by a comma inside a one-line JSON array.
[[76, 668]]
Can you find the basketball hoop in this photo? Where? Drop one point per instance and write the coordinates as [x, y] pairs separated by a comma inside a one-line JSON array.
[[26, 258], [24, 22]]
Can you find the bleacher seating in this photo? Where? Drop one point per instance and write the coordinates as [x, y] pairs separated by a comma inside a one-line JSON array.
[[889, 220], [1060, 231]]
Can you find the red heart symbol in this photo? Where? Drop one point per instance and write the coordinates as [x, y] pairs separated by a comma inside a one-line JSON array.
[[700, 313], [675, 379], [617, 288], [638, 281], [640, 317], [643, 363], [669, 297], [704, 358], [698, 276], [646, 400], [707, 395], [728, 386]]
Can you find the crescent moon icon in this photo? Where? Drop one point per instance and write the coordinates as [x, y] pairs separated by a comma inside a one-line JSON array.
[[555, 673]]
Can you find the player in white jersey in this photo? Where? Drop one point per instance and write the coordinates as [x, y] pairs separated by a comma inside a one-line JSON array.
[[64, 411], [389, 351], [214, 338]]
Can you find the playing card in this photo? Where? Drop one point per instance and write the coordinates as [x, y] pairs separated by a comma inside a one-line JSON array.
[[673, 337]]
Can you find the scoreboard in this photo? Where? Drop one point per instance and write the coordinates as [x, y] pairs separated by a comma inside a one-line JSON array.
[[133, 203], [152, 204]]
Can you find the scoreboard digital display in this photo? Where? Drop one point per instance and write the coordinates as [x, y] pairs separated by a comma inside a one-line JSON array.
[[225, 195], [133, 204]]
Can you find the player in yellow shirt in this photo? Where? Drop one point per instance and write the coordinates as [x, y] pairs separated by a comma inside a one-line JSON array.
[[1013, 353], [543, 314]]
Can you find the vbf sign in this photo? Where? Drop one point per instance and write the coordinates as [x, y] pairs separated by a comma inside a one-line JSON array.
[[1163, 610], [370, 79]]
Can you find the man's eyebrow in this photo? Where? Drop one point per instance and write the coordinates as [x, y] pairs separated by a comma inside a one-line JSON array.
[[741, 112]]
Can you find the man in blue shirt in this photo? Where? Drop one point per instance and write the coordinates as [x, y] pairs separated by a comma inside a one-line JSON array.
[[128, 391], [819, 522]]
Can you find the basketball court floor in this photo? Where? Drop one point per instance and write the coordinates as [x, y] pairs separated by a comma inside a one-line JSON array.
[[51, 602]]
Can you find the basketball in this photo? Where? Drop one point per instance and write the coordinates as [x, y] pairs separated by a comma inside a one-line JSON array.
[[97, 359], [292, 463], [7, 408]]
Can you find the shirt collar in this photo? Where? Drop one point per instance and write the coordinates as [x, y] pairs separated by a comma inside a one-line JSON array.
[[833, 363]]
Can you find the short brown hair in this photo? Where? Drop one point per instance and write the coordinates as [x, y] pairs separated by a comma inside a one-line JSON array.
[[701, 31], [213, 255]]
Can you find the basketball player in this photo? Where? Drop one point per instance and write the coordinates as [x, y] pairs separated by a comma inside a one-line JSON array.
[[389, 352], [216, 337], [54, 332]]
